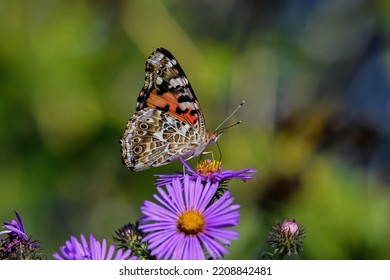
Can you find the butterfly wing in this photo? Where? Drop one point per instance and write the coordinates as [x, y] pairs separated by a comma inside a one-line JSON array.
[[167, 89], [155, 138], [168, 122]]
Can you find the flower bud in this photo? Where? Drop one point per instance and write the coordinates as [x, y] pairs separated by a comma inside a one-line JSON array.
[[289, 228], [286, 238], [130, 237]]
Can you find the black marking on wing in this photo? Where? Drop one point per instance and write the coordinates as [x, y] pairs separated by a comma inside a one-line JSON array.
[[185, 93]]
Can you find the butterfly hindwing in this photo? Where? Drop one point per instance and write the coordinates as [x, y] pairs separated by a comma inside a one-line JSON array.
[[155, 138]]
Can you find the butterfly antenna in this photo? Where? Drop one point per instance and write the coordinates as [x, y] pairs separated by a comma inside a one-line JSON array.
[[239, 106]]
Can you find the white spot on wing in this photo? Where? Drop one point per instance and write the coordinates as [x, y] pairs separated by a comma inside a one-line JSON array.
[[173, 82], [159, 80], [177, 82], [149, 83], [156, 59]]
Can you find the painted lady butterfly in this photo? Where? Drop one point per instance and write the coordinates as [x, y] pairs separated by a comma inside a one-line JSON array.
[[168, 122]]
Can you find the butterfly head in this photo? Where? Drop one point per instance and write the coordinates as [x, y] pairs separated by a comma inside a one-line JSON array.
[[213, 136]]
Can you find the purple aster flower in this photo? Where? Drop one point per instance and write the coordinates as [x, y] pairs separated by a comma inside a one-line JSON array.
[[208, 170], [187, 223], [15, 229], [17, 245], [75, 250], [16, 235]]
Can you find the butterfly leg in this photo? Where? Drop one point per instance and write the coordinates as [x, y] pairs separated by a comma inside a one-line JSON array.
[[184, 170]]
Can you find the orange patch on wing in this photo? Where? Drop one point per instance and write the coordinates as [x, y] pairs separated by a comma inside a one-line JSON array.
[[168, 98], [154, 100]]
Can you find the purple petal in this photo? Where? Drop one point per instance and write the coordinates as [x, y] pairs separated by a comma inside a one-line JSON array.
[[215, 249], [207, 195], [223, 236], [156, 212], [110, 252], [187, 166], [20, 221]]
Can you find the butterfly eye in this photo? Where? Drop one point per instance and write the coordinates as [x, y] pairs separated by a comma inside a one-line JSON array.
[[136, 140], [138, 149]]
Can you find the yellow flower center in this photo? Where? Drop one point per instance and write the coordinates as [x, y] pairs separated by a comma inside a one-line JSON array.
[[191, 222], [208, 167]]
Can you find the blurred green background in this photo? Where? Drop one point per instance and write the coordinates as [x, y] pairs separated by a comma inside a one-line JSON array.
[[315, 76]]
